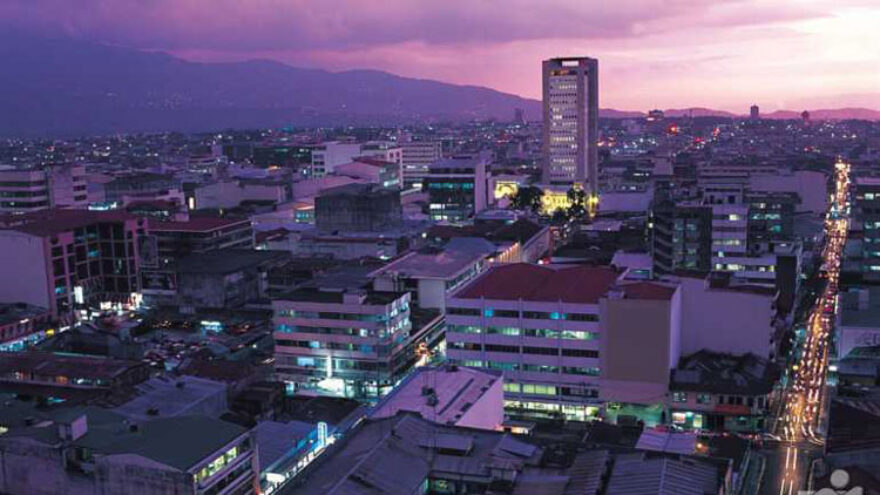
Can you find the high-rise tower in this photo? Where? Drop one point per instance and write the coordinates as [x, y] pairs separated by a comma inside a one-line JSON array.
[[571, 122]]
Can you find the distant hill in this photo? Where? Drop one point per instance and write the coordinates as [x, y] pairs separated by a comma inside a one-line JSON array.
[[68, 87], [781, 115], [72, 87], [827, 114], [697, 112], [610, 113]]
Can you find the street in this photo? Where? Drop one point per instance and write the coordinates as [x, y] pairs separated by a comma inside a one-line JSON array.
[[800, 419]]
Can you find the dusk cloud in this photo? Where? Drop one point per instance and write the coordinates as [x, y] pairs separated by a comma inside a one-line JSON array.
[[652, 52], [240, 25]]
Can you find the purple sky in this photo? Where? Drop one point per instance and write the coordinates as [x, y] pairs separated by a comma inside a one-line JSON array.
[[653, 53]]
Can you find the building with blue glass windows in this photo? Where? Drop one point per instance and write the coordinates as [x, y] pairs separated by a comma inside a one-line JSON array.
[[568, 339], [457, 188], [351, 343]]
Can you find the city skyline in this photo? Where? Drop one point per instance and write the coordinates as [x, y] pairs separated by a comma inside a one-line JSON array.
[[655, 54], [283, 247]]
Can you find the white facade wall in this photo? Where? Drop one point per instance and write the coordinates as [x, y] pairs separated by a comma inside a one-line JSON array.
[[229, 194], [432, 293], [416, 156], [631, 202], [810, 185], [24, 269], [326, 157], [722, 320], [23, 191]]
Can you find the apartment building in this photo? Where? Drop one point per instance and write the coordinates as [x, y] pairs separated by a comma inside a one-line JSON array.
[[63, 258], [34, 189], [175, 239], [866, 213], [352, 343], [417, 156], [457, 188], [563, 337]]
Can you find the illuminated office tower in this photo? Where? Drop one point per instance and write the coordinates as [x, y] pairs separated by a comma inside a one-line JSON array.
[[571, 122]]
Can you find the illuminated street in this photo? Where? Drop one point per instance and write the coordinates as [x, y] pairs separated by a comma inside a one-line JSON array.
[[801, 415]]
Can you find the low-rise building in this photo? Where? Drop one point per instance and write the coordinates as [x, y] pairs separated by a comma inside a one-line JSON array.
[[232, 193], [721, 392], [431, 274], [373, 170], [90, 450], [358, 208], [407, 454], [23, 325], [326, 156], [449, 395], [516, 240], [142, 186], [217, 279], [60, 375]]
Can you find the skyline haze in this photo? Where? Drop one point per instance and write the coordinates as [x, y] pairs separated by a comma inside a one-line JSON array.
[[727, 55]]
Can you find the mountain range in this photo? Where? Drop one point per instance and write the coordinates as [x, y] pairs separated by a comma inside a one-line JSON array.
[[71, 87]]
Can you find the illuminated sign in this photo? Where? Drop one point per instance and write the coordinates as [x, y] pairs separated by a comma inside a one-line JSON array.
[[506, 189], [322, 434], [554, 200], [211, 326]]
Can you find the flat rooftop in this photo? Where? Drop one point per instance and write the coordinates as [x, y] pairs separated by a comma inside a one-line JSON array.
[[458, 162], [338, 296], [438, 263], [54, 221], [68, 365], [195, 224], [180, 442], [223, 261], [172, 397], [275, 440], [456, 390], [717, 373], [571, 284], [332, 410], [15, 312]]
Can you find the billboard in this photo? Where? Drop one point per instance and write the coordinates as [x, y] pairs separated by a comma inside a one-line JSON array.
[[158, 281]]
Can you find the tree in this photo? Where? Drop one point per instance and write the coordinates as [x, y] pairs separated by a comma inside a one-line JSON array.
[[528, 198], [577, 200], [559, 217]]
